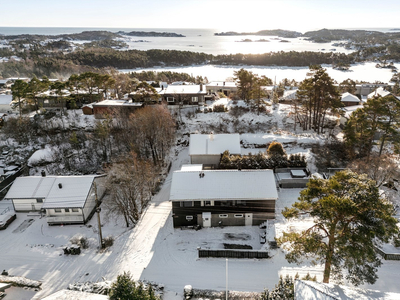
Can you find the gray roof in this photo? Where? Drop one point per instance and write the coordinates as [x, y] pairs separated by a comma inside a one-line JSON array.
[[223, 185]]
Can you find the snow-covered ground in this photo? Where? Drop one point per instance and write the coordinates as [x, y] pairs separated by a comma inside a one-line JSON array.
[[153, 251], [157, 252]]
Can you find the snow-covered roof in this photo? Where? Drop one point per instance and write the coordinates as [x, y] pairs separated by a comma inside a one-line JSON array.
[[222, 84], [317, 290], [58, 191], [379, 92], [213, 144], [72, 295], [347, 97], [30, 187], [223, 185], [348, 110], [5, 99], [185, 89], [194, 167], [73, 192], [116, 103], [289, 95]]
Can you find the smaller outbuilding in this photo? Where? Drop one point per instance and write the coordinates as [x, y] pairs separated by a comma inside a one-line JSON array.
[[5, 103], [206, 149]]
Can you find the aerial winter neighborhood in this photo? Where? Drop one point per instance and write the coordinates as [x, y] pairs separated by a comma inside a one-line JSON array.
[[203, 191]]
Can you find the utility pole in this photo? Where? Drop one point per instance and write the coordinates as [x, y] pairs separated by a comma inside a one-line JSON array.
[[98, 210], [226, 293]]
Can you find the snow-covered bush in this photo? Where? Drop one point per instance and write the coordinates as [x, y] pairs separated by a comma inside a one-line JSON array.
[[80, 240]]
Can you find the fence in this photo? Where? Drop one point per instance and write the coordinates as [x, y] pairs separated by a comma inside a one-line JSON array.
[[388, 256], [232, 253]]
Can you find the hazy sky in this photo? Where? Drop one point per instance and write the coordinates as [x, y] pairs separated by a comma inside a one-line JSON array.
[[244, 15]]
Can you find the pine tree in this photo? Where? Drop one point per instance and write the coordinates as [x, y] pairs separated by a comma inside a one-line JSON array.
[[351, 219]]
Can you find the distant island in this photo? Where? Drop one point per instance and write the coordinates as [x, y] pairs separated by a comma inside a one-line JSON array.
[[277, 32], [151, 34]]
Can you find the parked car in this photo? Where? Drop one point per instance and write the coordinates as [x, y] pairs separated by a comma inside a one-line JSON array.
[[6, 219]]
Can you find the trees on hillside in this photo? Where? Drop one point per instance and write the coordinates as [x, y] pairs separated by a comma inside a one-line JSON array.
[[146, 93], [19, 91], [350, 219], [249, 86], [319, 96]]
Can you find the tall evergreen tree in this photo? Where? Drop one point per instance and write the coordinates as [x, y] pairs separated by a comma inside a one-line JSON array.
[[351, 219]]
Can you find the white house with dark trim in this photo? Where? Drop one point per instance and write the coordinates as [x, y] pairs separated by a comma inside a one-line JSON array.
[[65, 199], [206, 149], [210, 198]]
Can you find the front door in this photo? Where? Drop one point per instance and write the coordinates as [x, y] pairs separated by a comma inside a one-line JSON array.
[[206, 219], [249, 219]]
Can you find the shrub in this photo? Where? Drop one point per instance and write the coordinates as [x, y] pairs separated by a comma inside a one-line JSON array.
[[108, 241], [126, 288], [219, 108], [276, 149]]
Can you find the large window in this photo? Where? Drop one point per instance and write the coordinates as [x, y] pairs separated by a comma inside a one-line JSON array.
[[186, 203], [57, 210], [195, 99], [170, 99], [75, 210]]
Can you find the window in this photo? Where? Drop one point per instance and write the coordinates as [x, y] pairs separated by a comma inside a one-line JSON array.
[[223, 216], [170, 99], [75, 210], [67, 210], [207, 203], [195, 99], [57, 210], [239, 216], [186, 203], [39, 200], [189, 218]]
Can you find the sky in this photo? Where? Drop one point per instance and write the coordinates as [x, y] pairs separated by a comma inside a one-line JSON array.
[[243, 15]]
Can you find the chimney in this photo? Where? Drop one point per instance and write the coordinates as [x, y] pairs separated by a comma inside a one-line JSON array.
[[201, 87], [224, 83], [43, 173], [211, 136], [60, 185]]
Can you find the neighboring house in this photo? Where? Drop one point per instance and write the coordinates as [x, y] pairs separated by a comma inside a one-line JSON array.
[[206, 149], [312, 290], [222, 197], [4, 83], [365, 89], [380, 92], [348, 111], [288, 96], [184, 94], [225, 87], [110, 107], [350, 100], [5, 103], [65, 199]]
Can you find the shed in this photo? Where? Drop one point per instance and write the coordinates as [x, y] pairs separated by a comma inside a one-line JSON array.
[[207, 149]]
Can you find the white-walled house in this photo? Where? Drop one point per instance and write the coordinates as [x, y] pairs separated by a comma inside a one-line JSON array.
[[206, 149], [65, 199]]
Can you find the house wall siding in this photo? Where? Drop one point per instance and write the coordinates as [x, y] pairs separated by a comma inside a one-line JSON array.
[[262, 210], [205, 159], [21, 205]]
